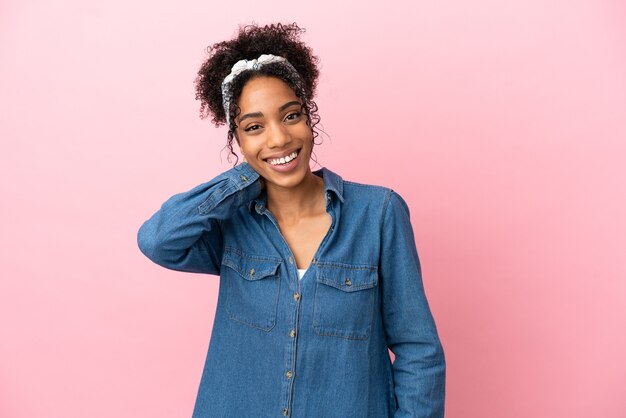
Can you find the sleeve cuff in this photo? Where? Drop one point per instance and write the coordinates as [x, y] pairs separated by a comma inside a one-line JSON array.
[[244, 175]]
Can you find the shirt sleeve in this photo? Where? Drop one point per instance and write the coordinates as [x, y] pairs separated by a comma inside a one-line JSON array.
[[184, 234], [419, 368]]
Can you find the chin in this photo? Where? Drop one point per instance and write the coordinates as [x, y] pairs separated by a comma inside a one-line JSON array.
[[286, 180]]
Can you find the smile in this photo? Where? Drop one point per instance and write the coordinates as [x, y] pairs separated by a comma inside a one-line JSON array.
[[283, 160]]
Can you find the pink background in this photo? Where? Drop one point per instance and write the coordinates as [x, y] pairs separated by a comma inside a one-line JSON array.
[[502, 123]]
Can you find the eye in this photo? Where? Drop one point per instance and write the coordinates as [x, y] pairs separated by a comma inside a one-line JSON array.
[[293, 116], [252, 128]]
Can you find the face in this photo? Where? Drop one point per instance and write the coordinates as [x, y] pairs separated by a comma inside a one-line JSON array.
[[273, 133]]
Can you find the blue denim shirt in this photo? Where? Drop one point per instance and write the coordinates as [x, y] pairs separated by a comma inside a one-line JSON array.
[[315, 347]]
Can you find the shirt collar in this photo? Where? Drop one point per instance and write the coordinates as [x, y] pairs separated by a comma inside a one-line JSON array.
[[332, 183]]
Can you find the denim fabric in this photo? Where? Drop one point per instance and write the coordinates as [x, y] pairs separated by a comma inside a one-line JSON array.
[[315, 347]]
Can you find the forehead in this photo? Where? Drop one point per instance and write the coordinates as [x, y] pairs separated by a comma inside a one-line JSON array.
[[265, 93]]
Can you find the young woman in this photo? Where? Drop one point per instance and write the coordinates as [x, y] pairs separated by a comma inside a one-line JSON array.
[[319, 277]]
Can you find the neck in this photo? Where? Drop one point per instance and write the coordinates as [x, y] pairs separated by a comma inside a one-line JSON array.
[[289, 205]]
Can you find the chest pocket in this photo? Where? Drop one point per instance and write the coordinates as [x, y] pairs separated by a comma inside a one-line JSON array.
[[252, 288], [344, 300]]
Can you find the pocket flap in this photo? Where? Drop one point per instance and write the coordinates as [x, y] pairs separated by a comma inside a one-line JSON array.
[[347, 277], [250, 267]]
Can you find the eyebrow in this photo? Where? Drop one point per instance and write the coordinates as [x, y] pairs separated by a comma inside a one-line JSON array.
[[259, 114], [286, 105]]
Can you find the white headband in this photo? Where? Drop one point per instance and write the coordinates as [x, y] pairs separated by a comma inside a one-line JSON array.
[[244, 65]]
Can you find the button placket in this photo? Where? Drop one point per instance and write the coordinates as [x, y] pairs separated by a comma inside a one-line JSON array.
[[290, 352], [289, 374]]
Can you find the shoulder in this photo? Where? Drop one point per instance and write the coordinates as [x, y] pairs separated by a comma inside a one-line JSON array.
[[353, 189], [375, 199], [372, 193]]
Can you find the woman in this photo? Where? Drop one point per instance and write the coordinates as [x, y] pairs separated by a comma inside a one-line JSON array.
[[319, 277]]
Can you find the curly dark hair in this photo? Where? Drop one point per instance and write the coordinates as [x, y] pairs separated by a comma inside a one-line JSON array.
[[251, 42]]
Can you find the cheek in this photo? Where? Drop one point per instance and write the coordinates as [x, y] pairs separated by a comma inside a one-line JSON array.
[[248, 148], [305, 132]]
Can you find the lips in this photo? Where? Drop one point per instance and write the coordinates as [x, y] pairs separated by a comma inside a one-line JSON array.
[[288, 163], [283, 159]]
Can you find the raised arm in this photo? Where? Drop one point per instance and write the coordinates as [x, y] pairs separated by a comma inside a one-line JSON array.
[[184, 234], [419, 369]]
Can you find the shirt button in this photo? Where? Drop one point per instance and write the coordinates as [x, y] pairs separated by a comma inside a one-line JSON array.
[[290, 260], [251, 272], [285, 411], [296, 296], [289, 374], [314, 261], [292, 333], [348, 281], [244, 178]]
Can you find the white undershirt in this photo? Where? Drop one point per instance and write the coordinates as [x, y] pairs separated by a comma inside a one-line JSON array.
[[301, 273]]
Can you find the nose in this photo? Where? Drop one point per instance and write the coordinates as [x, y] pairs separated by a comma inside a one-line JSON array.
[[279, 136]]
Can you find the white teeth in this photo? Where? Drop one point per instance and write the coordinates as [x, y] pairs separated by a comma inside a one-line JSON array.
[[283, 160]]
